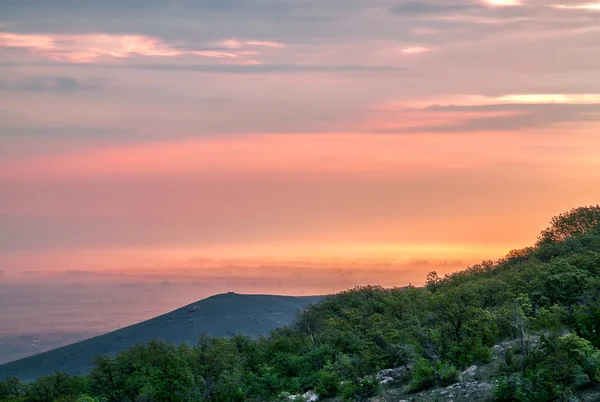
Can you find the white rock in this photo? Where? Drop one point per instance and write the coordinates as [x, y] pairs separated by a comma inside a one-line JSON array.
[[311, 396], [386, 380], [471, 370]]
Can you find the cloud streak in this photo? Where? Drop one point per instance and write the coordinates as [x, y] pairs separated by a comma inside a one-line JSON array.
[[416, 50], [503, 3], [86, 48], [581, 6], [509, 99]]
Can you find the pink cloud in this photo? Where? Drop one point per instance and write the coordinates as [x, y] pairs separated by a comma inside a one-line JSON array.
[[416, 50], [237, 44], [582, 6], [503, 3], [508, 99], [264, 43], [90, 47]]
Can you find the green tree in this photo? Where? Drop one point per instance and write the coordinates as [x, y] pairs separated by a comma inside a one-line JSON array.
[[583, 353], [51, 387], [12, 388], [575, 222]]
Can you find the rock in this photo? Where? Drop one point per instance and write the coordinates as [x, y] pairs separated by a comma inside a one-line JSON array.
[[396, 374], [310, 396], [386, 380], [470, 373]]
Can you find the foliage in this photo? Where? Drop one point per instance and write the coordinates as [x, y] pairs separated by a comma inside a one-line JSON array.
[[52, 387], [360, 389], [12, 389], [543, 302], [426, 374], [570, 224], [532, 386], [328, 384]]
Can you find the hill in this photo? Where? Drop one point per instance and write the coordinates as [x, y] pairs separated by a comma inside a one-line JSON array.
[[523, 328], [219, 315]]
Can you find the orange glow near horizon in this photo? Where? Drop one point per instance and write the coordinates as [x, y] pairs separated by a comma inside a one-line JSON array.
[[291, 203]]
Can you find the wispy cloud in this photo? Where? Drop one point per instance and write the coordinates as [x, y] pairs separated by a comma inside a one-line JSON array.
[[577, 99], [478, 113], [85, 48], [509, 99], [581, 6], [503, 3], [416, 50], [237, 44]]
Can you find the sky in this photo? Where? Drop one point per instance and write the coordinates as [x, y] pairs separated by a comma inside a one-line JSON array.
[[288, 146]]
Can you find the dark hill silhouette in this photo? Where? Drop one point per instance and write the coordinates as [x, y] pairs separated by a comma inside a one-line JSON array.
[[219, 315]]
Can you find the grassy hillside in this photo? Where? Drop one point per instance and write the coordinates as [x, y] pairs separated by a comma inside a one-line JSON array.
[[220, 315], [535, 314]]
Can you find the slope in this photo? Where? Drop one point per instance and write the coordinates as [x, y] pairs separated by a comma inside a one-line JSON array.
[[219, 315]]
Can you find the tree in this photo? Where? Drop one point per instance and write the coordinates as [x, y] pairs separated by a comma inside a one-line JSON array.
[[12, 388], [51, 387], [433, 281], [156, 371], [516, 320], [575, 222], [583, 353]]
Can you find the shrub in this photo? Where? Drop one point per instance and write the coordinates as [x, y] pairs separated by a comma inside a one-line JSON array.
[[422, 376], [582, 353], [328, 384], [425, 375], [481, 354], [533, 386], [447, 374], [360, 390]]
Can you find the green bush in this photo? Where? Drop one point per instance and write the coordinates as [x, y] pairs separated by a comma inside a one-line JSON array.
[[534, 386], [328, 384], [582, 353], [422, 376], [425, 375], [480, 354], [360, 390], [447, 374]]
